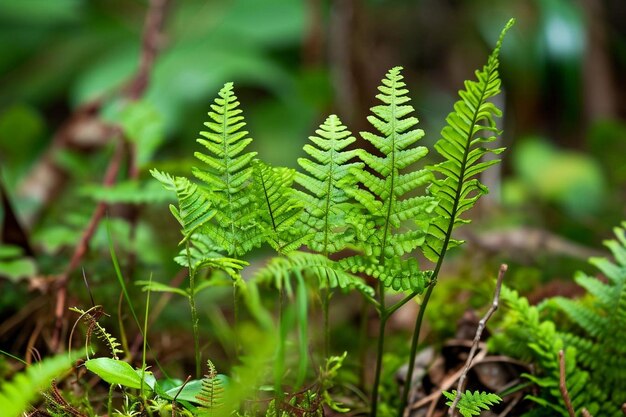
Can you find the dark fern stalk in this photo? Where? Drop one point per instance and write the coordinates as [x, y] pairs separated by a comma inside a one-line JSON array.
[[469, 127], [383, 223]]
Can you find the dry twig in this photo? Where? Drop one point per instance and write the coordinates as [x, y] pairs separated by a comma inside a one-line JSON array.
[[137, 86], [477, 336]]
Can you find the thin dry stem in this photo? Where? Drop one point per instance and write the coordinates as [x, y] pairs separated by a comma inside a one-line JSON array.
[[81, 249], [476, 342]]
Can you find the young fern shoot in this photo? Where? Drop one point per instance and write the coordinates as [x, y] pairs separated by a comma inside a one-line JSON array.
[[462, 145]]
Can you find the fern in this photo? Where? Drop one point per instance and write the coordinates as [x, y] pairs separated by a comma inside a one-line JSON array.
[[16, 395], [91, 317], [194, 204], [469, 127], [602, 342], [472, 404], [227, 173], [281, 210], [203, 253], [211, 395], [279, 271], [383, 196], [324, 184], [528, 337]]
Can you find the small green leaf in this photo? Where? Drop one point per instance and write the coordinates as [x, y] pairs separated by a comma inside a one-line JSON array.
[[114, 372], [159, 287]]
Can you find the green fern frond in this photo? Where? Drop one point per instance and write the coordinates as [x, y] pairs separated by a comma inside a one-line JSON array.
[[469, 128], [472, 404], [528, 337], [280, 269], [602, 344], [16, 395], [324, 183], [386, 185], [90, 317], [401, 275], [280, 211], [211, 395], [194, 204], [227, 172]]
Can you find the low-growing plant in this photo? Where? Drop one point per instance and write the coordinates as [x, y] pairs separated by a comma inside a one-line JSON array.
[[353, 214], [594, 347]]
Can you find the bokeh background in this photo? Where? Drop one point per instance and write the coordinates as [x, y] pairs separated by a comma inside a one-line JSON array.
[[557, 195]]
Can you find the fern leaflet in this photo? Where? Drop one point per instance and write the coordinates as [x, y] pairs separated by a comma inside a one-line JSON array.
[[227, 173], [281, 210], [194, 204], [469, 127], [397, 274], [472, 404], [326, 178], [329, 273]]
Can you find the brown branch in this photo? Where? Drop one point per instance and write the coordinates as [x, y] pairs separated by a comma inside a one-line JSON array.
[[150, 45], [81, 249], [84, 130], [151, 42], [476, 342], [137, 86], [563, 386]]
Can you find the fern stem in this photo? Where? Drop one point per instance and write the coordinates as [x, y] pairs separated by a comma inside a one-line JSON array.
[[442, 253], [236, 318], [413, 354], [302, 308], [279, 364], [110, 400], [194, 313], [380, 348], [363, 341], [325, 312]]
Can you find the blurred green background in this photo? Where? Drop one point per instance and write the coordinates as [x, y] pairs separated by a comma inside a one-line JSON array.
[[293, 62]]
